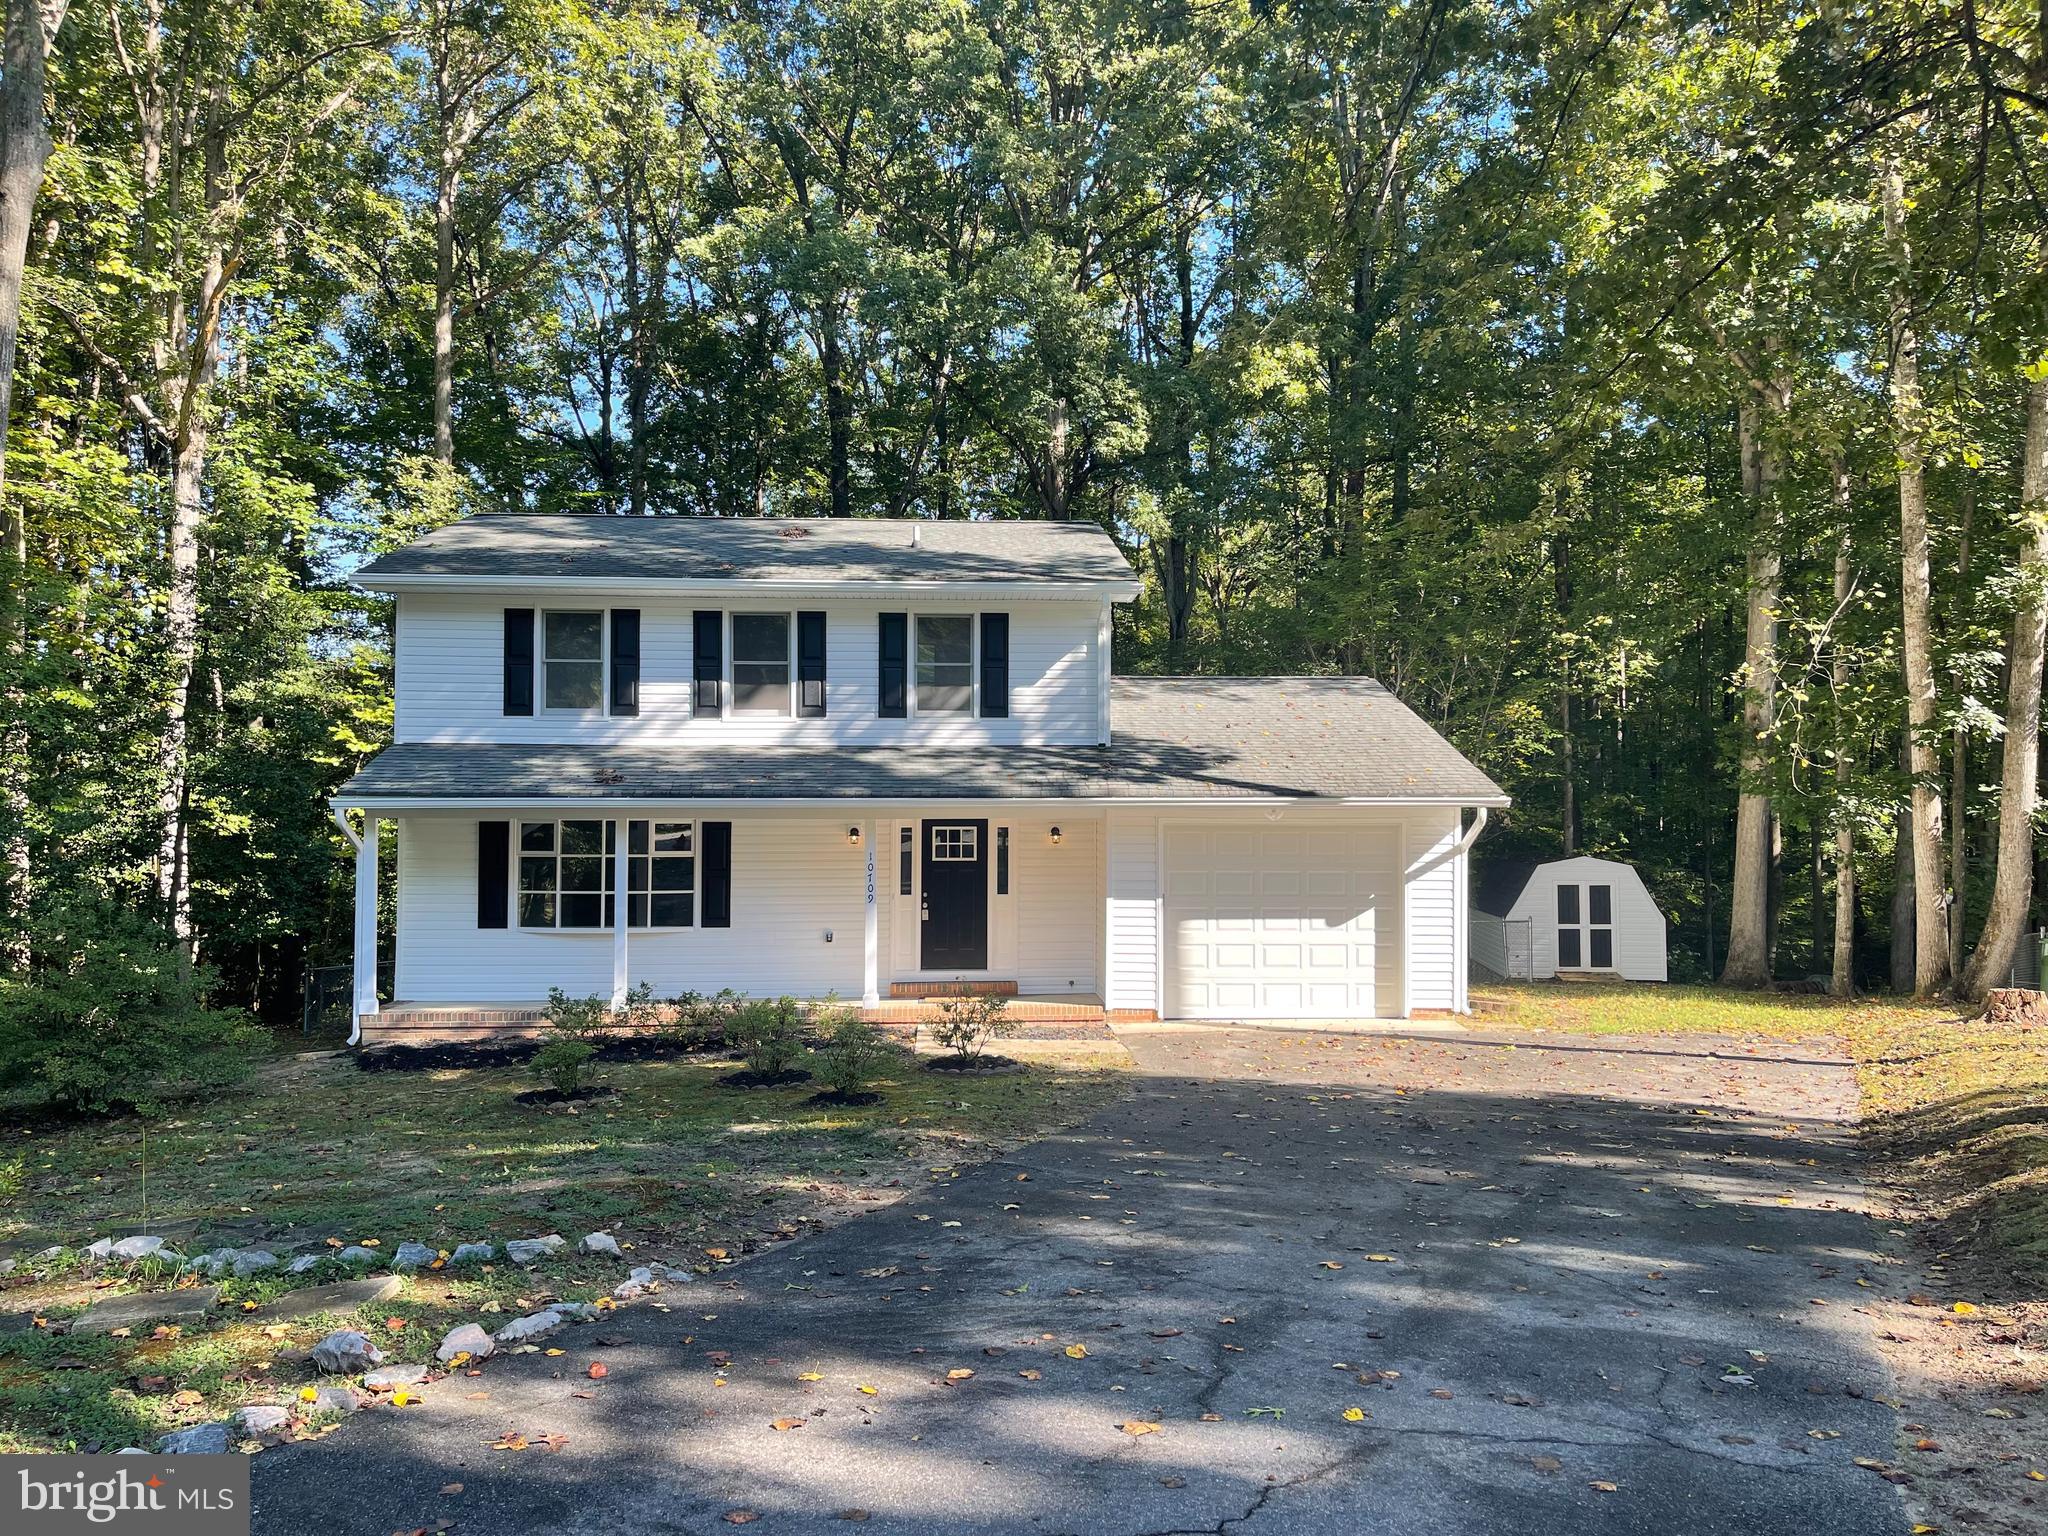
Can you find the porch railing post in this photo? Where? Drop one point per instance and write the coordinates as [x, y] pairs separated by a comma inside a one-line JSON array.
[[366, 920], [871, 982], [620, 901]]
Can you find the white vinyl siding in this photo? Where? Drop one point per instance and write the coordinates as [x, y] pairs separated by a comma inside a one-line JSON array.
[[1131, 904], [1639, 929], [1058, 893], [793, 878], [1433, 909], [450, 671]]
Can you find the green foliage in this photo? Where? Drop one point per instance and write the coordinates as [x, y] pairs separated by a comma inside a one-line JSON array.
[[853, 1053], [575, 1017], [560, 1063], [701, 1023], [768, 1033], [966, 1025], [111, 1016]]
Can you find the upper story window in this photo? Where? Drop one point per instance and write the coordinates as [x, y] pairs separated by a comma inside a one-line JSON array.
[[572, 660], [945, 664], [760, 663]]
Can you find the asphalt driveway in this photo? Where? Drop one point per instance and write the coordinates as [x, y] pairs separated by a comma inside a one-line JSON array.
[[1360, 1284]]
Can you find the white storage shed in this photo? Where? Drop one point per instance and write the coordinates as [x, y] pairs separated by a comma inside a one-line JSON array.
[[1582, 916]]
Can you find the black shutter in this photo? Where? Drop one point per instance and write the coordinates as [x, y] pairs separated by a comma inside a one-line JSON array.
[[707, 661], [518, 661], [995, 666], [810, 665], [715, 838], [493, 872], [625, 661], [895, 655]]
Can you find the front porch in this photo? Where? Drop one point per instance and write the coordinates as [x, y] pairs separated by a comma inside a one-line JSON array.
[[416, 1024]]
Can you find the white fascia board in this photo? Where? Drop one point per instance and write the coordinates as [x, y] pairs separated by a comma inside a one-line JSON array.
[[620, 804], [963, 591]]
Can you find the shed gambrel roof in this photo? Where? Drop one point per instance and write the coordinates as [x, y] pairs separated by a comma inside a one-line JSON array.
[[1315, 738], [790, 551]]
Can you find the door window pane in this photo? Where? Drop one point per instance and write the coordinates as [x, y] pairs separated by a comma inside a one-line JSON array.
[[1567, 903], [1599, 903], [1603, 949], [573, 660], [1568, 952], [760, 663], [945, 664]]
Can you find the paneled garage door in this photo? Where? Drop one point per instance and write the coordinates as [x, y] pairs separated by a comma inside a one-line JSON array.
[[1282, 922]]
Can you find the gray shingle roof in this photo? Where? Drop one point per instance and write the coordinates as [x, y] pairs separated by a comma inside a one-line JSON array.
[[568, 546], [1174, 738]]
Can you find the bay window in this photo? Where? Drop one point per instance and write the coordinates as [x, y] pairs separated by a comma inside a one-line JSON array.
[[566, 874]]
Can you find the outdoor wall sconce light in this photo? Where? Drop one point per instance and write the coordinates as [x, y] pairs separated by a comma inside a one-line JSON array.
[[853, 837], [1055, 837]]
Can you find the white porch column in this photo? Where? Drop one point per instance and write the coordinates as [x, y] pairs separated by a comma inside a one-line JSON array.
[[366, 919], [620, 984], [871, 928]]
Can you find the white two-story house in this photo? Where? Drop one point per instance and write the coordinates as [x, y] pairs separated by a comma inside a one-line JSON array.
[[882, 759]]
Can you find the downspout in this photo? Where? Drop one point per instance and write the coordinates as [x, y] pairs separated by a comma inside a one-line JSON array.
[[355, 842], [1462, 957], [1463, 843]]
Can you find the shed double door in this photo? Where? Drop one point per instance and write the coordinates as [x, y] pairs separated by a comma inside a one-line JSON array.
[[1585, 927]]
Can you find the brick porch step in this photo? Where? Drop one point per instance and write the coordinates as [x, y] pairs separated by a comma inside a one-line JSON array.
[[902, 989]]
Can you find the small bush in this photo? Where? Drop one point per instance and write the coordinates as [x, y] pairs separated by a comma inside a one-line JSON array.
[[853, 1052], [560, 1064], [111, 1015], [575, 1017], [967, 1024], [700, 1023], [769, 1033], [642, 1012]]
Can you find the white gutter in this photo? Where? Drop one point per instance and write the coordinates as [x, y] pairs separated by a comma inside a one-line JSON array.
[[396, 804], [965, 591]]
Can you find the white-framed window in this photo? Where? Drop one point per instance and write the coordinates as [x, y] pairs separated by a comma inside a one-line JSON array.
[[572, 660], [566, 869], [943, 660], [955, 845], [763, 662]]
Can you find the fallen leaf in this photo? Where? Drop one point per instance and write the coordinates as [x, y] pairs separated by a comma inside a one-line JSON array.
[[787, 1424], [598, 1371], [867, 1391], [1139, 1427], [959, 1374], [451, 1487], [809, 1376], [740, 1517], [1077, 1351], [1032, 1375], [1602, 1487], [1354, 1415]]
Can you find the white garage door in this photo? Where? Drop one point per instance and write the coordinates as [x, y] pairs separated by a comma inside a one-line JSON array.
[[1282, 922]]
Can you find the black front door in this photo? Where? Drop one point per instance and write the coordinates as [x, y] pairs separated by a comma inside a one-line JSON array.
[[954, 910]]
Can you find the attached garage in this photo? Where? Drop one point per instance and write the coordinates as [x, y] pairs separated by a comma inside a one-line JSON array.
[[1282, 921]]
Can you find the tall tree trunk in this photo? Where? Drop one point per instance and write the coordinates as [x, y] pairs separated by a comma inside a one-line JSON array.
[[1904, 940], [31, 31], [1909, 427], [2012, 888], [1842, 972], [1749, 904], [447, 185], [1959, 763], [1179, 573], [1567, 767], [1057, 433]]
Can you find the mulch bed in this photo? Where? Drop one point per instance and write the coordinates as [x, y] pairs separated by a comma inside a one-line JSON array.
[[512, 1053], [832, 1098], [554, 1098], [787, 1079], [974, 1066]]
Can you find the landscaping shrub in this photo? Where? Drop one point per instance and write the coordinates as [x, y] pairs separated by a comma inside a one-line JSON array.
[[853, 1052], [111, 1015], [577, 1016], [769, 1033], [967, 1024], [560, 1063], [700, 1023]]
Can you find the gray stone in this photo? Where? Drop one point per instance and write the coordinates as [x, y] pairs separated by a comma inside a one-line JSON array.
[[305, 1262], [199, 1440], [131, 1450], [524, 1330], [339, 1402], [638, 1283], [130, 1248], [531, 1250], [346, 1352], [99, 1248], [54, 1251], [189, 1304], [341, 1296], [252, 1261], [599, 1242], [466, 1340], [412, 1255], [576, 1311], [395, 1376], [472, 1253], [259, 1419], [355, 1254], [671, 1273], [219, 1261], [8, 1266]]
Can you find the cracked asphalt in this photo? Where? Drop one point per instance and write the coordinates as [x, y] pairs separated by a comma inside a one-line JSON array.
[[1597, 1285]]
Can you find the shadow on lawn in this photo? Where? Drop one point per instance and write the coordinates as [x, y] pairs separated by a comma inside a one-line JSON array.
[[1526, 1293]]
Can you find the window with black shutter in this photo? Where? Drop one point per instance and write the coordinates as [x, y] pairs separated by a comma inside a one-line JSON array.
[[894, 651], [810, 665], [493, 872], [715, 839], [625, 661], [707, 662], [518, 661], [995, 666]]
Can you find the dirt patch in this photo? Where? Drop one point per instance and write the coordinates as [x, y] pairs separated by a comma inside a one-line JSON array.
[[788, 1079], [974, 1066], [554, 1098], [832, 1098]]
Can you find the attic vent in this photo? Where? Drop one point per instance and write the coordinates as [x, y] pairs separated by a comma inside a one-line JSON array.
[[610, 776], [796, 533]]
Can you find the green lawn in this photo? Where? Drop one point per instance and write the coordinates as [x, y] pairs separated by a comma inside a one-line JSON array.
[[684, 1169], [1956, 1108]]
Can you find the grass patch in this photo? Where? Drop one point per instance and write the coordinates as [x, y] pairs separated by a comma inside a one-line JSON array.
[[1955, 1109], [315, 1150]]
